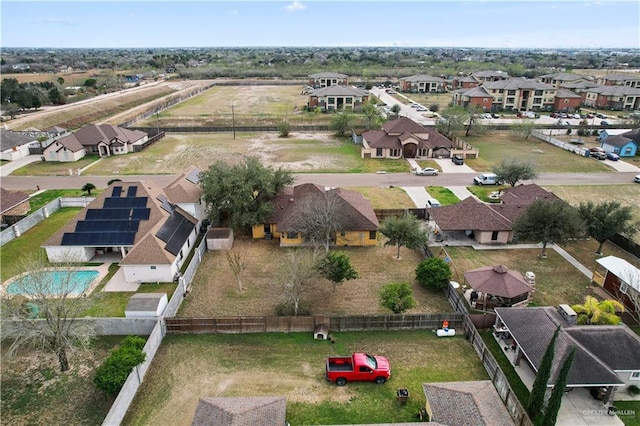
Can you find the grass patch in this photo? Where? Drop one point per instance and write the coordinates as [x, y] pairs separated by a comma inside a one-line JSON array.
[[31, 240], [292, 365], [496, 145], [556, 280], [44, 198], [519, 388], [631, 412], [442, 194], [55, 168], [33, 390], [483, 192], [385, 198]]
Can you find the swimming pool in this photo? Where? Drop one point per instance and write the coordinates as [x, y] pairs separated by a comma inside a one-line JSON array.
[[52, 282]]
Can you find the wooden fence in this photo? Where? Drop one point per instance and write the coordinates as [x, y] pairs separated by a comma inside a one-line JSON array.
[[382, 214], [233, 325]]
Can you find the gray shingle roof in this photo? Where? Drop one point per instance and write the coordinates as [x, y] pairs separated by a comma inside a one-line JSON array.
[[10, 139], [466, 403], [617, 140], [615, 90], [497, 280], [563, 76], [518, 83], [92, 134], [532, 329], [10, 199], [395, 131], [490, 74], [423, 77], [240, 411], [469, 214], [327, 75], [476, 92], [563, 93], [526, 194], [339, 90]]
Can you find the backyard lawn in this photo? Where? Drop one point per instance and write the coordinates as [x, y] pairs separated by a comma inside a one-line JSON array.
[[556, 280], [215, 290], [292, 365]]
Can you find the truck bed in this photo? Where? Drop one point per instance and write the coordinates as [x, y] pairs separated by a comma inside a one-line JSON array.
[[339, 364]]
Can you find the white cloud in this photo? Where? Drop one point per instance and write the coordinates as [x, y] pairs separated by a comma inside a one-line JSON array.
[[57, 21], [294, 7]]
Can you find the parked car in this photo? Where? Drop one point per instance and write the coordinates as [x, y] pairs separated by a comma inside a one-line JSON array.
[[604, 123], [599, 155], [359, 367], [487, 115], [458, 160], [636, 179], [494, 115], [562, 123], [432, 202], [590, 116], [612, 156], [598, 115], [576, 116], [487, 179], [427, 171], [597, 149], [563, 115], [421, 108]]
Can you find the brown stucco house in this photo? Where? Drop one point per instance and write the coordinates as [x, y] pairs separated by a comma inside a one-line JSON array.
[[337, 98], [404, 138], [359, 221], [101, 139]]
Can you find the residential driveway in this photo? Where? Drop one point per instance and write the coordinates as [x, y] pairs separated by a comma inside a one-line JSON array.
[[447, 166], [9, 167], [460, 191], [622, 166], [418, 195]]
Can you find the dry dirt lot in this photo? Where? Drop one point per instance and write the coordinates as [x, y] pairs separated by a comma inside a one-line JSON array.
[[216, 293]]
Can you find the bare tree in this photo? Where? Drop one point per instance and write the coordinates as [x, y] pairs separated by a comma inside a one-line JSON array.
[[238, 265], [46, 309], [319, 218], [299, 276]]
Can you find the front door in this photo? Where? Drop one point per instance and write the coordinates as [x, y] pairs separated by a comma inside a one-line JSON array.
[[409, 150]]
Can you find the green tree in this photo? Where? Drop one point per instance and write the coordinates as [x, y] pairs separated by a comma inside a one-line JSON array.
[[371, 112], [452, 119], [397, 297], [606, 219], [336, 267], [341, 122], [553, 407], [404, 231], [60, 81], [433, 273], [513, 170], [284, 128], [111, 375], [88, 187], [90, 82], [396, 109], [242, 191], [548, 221], [539, 389], [593, 312]]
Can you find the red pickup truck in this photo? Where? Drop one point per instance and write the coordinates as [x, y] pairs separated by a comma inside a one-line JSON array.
[[359, 367]]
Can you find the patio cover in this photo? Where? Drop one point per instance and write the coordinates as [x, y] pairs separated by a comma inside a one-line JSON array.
[[498, 281]]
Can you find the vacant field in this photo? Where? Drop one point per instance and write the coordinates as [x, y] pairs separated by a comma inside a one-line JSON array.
[[215, 289], [73, 116], [428, 99], [292, 365], [244, 105], [556, 280], [75, 78], [495, 146]]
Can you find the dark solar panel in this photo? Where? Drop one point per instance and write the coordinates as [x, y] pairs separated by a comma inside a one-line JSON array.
[[179, 237], [131, 192], [122, 203], [107, 226], [117, 190], [141, 214], [99, 239], [194, 176], [169, 227]]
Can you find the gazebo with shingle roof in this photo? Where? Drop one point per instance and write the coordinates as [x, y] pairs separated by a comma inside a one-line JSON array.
[[507, 286]]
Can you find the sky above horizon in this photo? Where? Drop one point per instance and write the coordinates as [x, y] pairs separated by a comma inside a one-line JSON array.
[[307, 23]]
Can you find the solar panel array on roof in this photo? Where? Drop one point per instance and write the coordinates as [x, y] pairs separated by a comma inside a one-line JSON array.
[[125, 203], [115, 224], [98, 239], [175, 231], [194, 177], [131, 192], [166, 205]]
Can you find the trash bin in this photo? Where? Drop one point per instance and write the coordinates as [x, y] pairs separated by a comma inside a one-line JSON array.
[[403, 395]]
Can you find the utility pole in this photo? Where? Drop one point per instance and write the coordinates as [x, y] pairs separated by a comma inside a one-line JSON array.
[[233, 121]]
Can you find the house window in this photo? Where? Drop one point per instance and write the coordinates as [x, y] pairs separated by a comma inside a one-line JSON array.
[[538, 93], [331, 100], [378, 152], [494, 236], [485, 100], [510, 100], [348, 100], [635, 375], [343, 234], [511, 92], [537, 100], [624, 287], [152, 267], [627, 150], [372, 235], [292, 235]]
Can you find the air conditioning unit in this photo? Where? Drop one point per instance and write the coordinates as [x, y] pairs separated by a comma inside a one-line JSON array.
[[568, 314]]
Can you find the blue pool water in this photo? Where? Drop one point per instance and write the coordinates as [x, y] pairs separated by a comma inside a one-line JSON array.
[[53, 282]]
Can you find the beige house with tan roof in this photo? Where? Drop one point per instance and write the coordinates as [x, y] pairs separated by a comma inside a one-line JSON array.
[[152, 228], [404, 138]]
